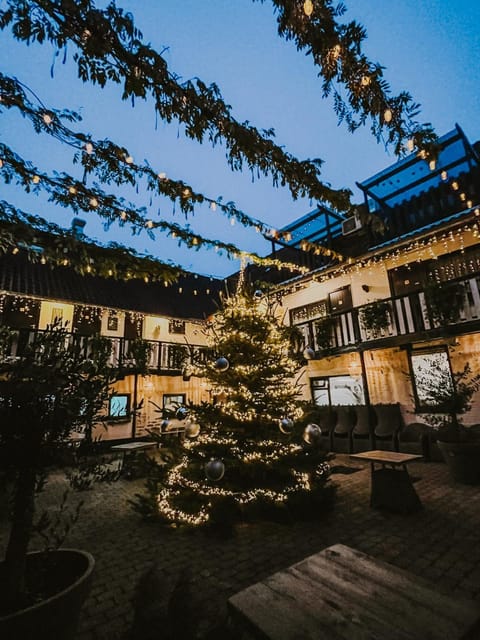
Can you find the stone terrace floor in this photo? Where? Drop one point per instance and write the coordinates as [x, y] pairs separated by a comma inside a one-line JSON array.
[[441, 543]]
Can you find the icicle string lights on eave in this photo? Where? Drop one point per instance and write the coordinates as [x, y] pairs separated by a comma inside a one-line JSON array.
[[461, 237]]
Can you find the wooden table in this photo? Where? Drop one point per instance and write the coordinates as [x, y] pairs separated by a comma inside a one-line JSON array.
[[391, 485], [130, 449], [343, 594]]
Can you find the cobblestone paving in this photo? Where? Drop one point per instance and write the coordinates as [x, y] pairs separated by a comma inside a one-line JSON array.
[[440, 543]]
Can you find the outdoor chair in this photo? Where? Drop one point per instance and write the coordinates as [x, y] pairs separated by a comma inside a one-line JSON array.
[[326, 418], [415, 438], [342, 433], [363, 436], [389, 423]]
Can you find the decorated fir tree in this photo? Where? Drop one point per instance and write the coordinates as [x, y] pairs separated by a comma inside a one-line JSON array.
[[247, 453]]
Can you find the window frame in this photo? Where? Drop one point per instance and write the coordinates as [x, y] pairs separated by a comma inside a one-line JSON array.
[[117, 417], [419, 406]]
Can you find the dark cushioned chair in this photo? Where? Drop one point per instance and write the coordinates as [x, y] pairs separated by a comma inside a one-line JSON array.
[[414, 438], [342, 433], [363, 434], [389, 423]]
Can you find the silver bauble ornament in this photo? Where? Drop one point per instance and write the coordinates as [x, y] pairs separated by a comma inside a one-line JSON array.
[[286, 425], [222, 364], [308, 353], [181, 413], [322, 472], [312, 433], [192, 429], [214, 470], [258, 294]]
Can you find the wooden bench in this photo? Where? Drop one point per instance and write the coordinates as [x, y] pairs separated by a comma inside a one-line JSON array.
[[344, 594]]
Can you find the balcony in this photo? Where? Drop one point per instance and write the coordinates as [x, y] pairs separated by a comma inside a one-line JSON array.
[[164, 357], [406, 318]]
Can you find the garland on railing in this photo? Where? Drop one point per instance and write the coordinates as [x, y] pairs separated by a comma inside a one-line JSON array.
[[109, 48], [336, 49]]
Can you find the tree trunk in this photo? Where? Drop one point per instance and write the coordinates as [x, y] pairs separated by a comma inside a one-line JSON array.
[[20, 532]]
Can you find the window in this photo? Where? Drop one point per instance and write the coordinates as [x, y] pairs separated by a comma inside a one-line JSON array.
[[119, 406], [429, 369], [340, 300], [176, 326], [112, 323], [308, 312], [172, 401], [337, 390]]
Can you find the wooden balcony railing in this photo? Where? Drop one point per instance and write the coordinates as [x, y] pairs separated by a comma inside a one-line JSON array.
[[407, 316], [163, 357]]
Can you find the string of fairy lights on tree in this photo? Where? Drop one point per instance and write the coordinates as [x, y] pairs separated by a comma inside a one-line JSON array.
[[243, 450], [357, 84]]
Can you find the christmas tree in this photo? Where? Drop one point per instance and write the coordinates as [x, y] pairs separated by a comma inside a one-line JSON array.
[[247, 453]]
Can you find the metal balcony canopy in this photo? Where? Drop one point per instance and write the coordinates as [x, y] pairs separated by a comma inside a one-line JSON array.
[[412, 175], [319, 226]]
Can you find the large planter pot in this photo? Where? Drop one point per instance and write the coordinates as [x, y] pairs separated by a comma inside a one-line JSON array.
[[57, 616], [463, 460]]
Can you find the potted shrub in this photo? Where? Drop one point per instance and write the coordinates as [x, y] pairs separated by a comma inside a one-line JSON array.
[[51, 387], [451, 397], [375, 317], [445, 301], [324, 332]]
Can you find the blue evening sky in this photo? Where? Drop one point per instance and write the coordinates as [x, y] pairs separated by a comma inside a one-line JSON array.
[[430, 48]]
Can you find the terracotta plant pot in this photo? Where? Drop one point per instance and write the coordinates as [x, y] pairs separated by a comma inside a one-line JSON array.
[[57, 616], [463, 460]]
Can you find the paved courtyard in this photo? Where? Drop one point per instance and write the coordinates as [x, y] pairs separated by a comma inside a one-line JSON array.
[[440, 543]]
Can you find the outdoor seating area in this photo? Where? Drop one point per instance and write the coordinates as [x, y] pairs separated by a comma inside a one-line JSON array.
[[438, 543], [357, 428]]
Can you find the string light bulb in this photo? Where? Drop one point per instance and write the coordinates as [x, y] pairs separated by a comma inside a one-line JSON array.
[[432, 165], [213, 206], [47, 118], [89, 148], [72, 190], [162, 176], [36, 179], [444, 175], [129, 160], [308, 8], [387, 115], [365, 81], [410, 144], [93, 202]]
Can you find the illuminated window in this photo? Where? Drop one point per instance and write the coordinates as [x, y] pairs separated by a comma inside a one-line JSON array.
[[337, 390], [430, 369], [119, 406]]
